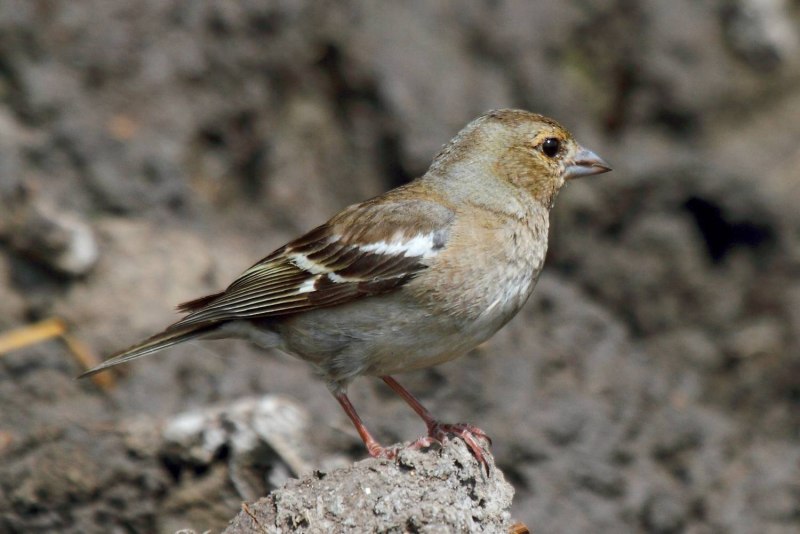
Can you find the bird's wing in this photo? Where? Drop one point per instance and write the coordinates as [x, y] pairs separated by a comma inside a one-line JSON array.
[[368, 249]]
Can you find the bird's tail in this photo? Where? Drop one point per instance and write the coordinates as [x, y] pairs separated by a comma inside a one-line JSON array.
[[167, 338]]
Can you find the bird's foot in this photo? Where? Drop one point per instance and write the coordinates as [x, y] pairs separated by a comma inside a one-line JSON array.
[[423, 443], [378, 451], [437, 432]]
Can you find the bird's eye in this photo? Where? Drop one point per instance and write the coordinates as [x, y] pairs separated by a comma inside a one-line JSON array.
[[550, 147]]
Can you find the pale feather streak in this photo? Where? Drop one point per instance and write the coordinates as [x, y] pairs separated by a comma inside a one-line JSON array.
[[309, 285], [420, 245]]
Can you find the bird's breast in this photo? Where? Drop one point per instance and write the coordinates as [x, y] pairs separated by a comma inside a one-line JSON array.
[[488, 272]]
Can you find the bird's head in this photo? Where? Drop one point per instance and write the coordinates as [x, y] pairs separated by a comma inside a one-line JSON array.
[[529, 151]]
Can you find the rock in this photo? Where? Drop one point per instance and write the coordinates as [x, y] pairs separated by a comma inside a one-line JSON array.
[[436, 490], [62, 241], [263, 439]]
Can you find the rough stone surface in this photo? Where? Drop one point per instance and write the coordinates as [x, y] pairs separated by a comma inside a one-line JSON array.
[[652, 383], [442, 490]]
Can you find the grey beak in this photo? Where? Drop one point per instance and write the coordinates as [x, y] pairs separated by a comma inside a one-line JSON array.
[[586, 163]]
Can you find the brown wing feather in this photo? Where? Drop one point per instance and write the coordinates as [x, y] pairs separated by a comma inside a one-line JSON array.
[[333, 264], [196, 304]]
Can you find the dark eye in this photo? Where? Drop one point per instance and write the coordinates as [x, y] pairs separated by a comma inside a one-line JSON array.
[[550, 147]]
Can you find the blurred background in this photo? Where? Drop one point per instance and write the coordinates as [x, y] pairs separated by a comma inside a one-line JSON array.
[[150, 151]]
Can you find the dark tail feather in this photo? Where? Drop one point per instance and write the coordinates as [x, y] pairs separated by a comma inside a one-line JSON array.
[[167, 338], [196, 304]]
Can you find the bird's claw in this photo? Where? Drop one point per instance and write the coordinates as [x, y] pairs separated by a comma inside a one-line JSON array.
[[459, 429], [386, 453], [438, 432]]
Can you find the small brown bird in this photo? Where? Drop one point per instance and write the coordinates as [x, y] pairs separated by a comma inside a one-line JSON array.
[[410, 279]]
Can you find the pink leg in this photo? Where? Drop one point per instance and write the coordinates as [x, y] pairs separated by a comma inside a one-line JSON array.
[[373, 447], [438, 431]]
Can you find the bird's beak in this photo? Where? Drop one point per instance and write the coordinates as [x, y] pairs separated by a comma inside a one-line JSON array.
[[586, 163]]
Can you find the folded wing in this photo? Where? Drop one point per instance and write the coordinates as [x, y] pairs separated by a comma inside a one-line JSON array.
[[368, 249]]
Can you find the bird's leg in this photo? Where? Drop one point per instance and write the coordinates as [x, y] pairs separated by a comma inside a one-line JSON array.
[[373, 447], [438, 431]]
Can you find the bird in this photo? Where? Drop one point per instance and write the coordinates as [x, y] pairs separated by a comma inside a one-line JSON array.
[[407, 280]]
